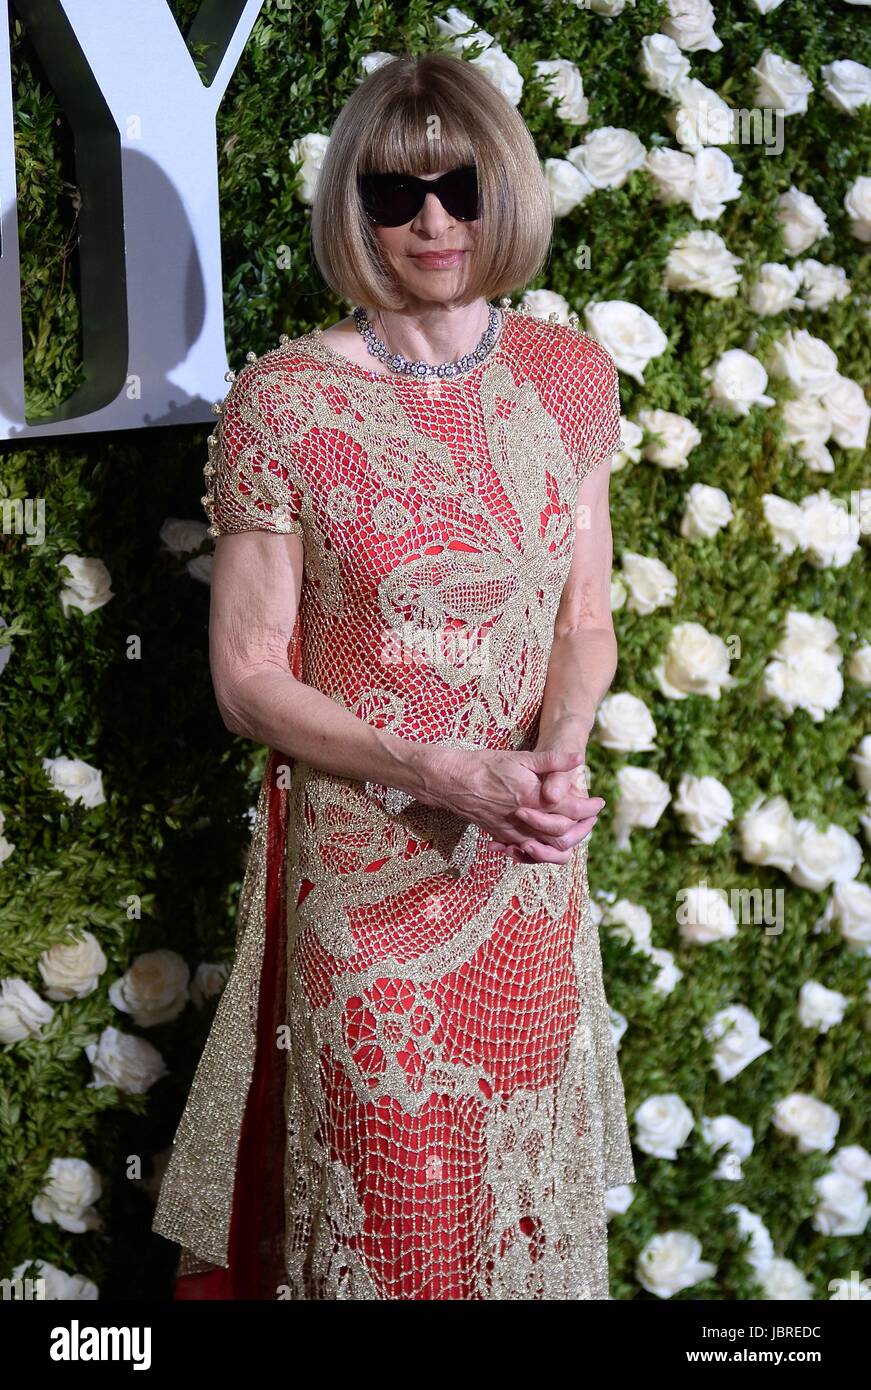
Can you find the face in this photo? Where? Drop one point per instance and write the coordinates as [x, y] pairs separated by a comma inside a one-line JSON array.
[[429, 255]]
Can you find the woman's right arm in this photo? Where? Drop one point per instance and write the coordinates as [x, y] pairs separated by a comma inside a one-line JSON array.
[[256, 584]]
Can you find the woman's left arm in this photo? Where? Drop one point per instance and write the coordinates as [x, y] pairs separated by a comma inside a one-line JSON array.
[[583, 659]]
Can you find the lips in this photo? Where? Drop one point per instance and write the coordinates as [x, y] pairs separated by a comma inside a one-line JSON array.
[[440, 258]]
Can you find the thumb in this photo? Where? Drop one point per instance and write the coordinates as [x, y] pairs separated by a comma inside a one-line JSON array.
[[554, 760]]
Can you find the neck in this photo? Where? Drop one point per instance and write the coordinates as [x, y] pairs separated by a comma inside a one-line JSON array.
[[434, 332]]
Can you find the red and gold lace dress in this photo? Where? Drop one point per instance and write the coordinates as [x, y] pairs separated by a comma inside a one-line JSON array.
[[410, 1089]]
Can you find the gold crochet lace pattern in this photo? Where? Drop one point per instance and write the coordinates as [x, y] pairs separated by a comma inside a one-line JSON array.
[[455, 1111]]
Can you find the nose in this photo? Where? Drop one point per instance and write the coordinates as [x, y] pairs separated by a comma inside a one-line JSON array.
[[433, 218]]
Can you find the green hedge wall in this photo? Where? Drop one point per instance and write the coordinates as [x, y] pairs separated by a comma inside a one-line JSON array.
[[159, 862]]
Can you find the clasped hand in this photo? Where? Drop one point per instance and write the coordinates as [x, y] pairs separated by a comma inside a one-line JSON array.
[[528, 802]]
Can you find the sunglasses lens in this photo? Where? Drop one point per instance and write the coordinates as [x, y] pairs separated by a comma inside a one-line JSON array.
[[459, 193], [391, 200]]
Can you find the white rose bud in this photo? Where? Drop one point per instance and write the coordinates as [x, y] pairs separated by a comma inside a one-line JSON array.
[[809, 1121], [761, 1250], [77, 780], [696, 662], [651, 584], [783, 1282], [155, 988], [769, 833], [776, 290], [22, 1012], [675, 437], [701, 262], [707, 510], [663, 1125], [86, 586], [737, 382], [802, 221], [727, 1132], [123, 1060], [672, 1262], [642, 798], [71, 969], [624, 724], [705, 806], [738, 1040], [843, 1208], [181, 536], [851, 909], [71, 1188], [823, 857], [820, 1008]]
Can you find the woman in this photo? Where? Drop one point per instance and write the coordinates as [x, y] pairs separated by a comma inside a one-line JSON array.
[[410, 1089]]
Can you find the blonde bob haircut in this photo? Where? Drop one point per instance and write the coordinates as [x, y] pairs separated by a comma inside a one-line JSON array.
[[425, 115]]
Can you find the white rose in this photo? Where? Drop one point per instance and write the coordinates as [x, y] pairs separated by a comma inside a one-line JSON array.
[[696, 662], [857, 204], [738, 1040], [705, 806], [180, 536], [822, 285], [844, 1208], [502, 71], [70, 1189], [677, 437], [56, 1283], [700, 117], [642, 798], [612, 8], [630, 923], [624, 724], [463, 30], [767, 6], [775, 290], [673, 172], [716, 183], [541, 304], [768, 833], [308, 151], [663, 1125], [832, 535], [805, 630], [847, 85], [853, 1161], [809, 1121], [691, 24], [782, 85], [669, 974], [88, 585], [662, 64], [786, 521], [804, 360], [807, 424], [71, 969], [761, 1250], [618, 593], [820, 1008], [704, 915], [651, 584], [123, 1060], [154, 989], [784, 1282], [628, 332], [862, 759], [737, 382], [617, 1025], [672, 1262], [727, 1132], [371, 62], [823, 857], [76, 779], [565, 89], [200, 568], [848, 411], [22, 1012], [701, 262], [567, 186], [707, 510], [851, 909], [802, 220], [6, 846], [209, 980], [608, 156], [810, 681], [618, 1200]]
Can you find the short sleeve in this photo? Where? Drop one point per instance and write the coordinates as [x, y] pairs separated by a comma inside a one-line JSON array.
[[249, 483], [599, 435]]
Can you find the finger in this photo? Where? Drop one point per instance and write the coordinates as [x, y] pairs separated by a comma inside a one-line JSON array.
[[545, 854], [544, 760], [582, 808]]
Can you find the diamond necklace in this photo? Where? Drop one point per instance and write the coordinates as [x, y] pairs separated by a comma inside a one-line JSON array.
[[399, 363]]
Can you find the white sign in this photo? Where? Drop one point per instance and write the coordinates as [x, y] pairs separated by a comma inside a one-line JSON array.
[[148, 231]]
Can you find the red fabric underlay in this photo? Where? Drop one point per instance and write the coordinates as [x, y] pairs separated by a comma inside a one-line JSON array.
[[256, 1239]]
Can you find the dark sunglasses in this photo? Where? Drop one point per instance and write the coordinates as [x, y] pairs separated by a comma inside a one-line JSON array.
[[391, 200]]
